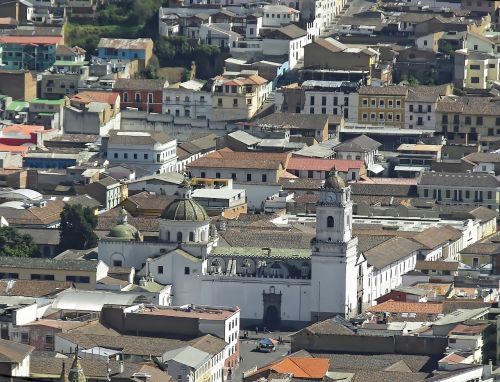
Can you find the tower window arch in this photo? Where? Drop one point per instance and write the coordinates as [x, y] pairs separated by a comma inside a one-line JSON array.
[[330, 222], [179, 236]]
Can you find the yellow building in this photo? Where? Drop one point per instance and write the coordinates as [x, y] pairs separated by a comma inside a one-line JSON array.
[[479, 254], [238, 98], [383, 105], [84, 274]]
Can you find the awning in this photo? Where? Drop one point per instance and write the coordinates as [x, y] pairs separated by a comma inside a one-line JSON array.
[[410, 168], [376, 168]]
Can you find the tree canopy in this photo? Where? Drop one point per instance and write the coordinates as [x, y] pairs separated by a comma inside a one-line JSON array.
[[77, 228], [12, 243]]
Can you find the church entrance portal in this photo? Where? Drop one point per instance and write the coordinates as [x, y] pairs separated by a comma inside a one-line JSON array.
[[272, 309]]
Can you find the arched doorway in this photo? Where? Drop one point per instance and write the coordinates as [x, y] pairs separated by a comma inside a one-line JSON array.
[[272, 309], [272, 319]]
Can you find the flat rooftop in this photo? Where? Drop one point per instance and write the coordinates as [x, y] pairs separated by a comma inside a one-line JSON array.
[[200, 312]]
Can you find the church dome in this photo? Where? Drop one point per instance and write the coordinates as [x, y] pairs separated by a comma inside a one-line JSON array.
[[124, 232], [334, 181], [185, 210]]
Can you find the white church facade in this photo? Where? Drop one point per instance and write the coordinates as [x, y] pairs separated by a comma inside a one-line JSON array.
[[273, 286]]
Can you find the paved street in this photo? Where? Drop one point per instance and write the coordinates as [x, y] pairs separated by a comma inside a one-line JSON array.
[[252, 357], [354, 6]]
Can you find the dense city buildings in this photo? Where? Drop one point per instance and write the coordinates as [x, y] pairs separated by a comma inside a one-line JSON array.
[[211, 191]]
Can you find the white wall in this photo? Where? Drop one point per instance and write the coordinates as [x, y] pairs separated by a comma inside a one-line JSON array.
[[246, 293]]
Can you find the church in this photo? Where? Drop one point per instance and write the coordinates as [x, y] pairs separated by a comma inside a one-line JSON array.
[[272, 286]]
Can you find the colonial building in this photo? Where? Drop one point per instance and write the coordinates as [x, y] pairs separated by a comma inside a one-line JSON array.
[[261, 281], [154, 151]]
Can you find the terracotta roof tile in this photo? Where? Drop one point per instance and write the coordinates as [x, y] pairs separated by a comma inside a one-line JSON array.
[[392, 306], [318, 164]]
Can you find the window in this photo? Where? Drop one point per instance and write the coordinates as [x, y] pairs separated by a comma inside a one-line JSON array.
[[479, 121], [365, 116], [381, 103], [191, 236], [217, 174], [323, 110], [249, 177], [264, 178], [179, 237], [411, 108], [426, 193], [365, 101], [475, 67], [125, 97], [474, 80], [137, 97], [447, 193], [160, 269], [115, 155], [398, 117], [150, 97], [492, 66], [311, 100], [219, 102], [235, 102], [49, 340], [203, 175], [398, 103], [233, 176], [323, 100], [330, 222], [117, 263], [25, 338], [125, 155], [372, 116], [186, 270], [373, 102], [78, 279], [390, 103], [381, 116], [467, 120], [146, 156]]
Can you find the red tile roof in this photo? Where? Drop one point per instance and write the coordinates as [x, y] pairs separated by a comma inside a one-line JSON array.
[[318, 164], [36, 40], [452, 358], [88, 96], [466, 329], [392, 306], [299, 367], [227, 158], [13, 149], [22, 129]]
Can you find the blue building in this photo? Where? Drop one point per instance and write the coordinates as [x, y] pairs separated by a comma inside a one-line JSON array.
[[126, 49], [49, 160]]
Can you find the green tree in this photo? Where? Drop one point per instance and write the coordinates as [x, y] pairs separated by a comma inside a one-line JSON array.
[[77, 228], [12, 243]]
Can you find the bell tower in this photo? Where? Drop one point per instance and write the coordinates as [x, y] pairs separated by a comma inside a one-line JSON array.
[[334, 252]]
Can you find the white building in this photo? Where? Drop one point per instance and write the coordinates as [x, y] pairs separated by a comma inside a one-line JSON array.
[[420, 106], [187, 101], [289, 41], [154, 151], [331, 97], [187, 256], [279, 15]]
